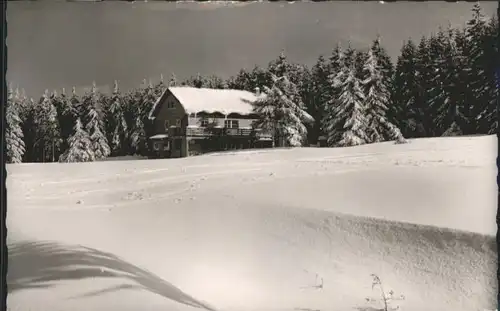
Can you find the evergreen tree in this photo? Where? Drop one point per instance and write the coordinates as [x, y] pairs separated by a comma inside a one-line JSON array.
[[29, 128], [94, 125], [116, 124], [423, 111], [80, 146], [350, 56], [282, 112], [280, 67], [336, 60], [148, 99], [360, 60], [490, 121], [298, 76], [302, 76], [26, 115], [23, 105], [350, 111], [377, 98], [336, 71], [159, 88], [65, 117], [322, 93], [478, 72], [438, 83], [48, 135], [384, 62], [250, 80], [242, 81], [133, 113], [76, 105], [197, 81], [215, 82], [173, 80], [14, 138], [448, 100]]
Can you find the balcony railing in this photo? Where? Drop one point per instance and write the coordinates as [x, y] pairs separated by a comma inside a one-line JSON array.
[[204, 132]]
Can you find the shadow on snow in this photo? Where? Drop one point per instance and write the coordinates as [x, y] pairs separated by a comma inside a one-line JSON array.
[[40, 264]]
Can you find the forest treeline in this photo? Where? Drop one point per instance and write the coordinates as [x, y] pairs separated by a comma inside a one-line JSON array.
[[442, 85]]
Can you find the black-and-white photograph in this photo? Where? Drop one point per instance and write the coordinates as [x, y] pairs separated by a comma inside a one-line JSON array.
[[252, 156]]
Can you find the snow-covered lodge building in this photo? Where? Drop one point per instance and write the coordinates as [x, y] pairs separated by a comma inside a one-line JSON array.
[[190, 121]]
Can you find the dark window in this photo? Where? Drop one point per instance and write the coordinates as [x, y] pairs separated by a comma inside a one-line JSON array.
[[156, 146], [170, 104], [204, 122]]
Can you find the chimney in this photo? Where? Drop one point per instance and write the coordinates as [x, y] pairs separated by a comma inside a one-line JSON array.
[[257, 91]]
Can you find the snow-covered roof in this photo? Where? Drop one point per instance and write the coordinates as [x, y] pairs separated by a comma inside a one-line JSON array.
[[195, 100]]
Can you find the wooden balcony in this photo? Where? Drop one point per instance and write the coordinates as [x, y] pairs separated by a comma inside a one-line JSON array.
[[203, 132]]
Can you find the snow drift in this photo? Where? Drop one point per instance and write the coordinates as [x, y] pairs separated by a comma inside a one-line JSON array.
[[266, 230]]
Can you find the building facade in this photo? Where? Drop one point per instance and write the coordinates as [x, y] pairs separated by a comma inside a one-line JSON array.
[[190, 121]]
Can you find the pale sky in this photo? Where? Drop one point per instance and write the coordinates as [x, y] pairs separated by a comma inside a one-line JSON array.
[[53, 44]]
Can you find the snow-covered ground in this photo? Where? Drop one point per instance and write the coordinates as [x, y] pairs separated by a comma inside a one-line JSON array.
[[259, 230]]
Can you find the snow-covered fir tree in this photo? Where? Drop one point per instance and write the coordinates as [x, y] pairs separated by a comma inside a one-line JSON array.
[[437, 84], [410, 108], [489, 121], [26, 114], [377, 99], [133, 113], [447, 100], [350, 56], [215, 82], [242, 81], [350, 111], [147, 101], [321, 89], [76, 104], [359, 61], [116, 125], [14, 137], [23, 104], [94, 125], [29, 129], [478, 70], [160, 87], [330, 126], [250, 80], [493, 33], [66, 116], [79, 146], [48, 134], [384, 61], [423, 112], [295, 135], [295, 73], [465, 93], [282, 112], [280, 67], [336, 60], [173, 80], [197, 81], [99, 144]]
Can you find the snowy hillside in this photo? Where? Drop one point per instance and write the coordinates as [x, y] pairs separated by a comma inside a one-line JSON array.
[[270, 230]]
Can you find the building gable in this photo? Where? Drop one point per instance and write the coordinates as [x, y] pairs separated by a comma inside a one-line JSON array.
[[168, 112]]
